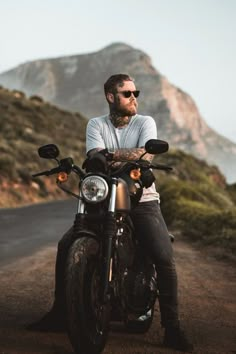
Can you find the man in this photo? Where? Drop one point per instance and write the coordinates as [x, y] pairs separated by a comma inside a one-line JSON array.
[[124, 133]]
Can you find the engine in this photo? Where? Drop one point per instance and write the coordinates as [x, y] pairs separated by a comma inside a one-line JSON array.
[[139, 287]]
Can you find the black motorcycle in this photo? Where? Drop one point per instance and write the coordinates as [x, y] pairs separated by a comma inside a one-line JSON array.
[[108, 277]]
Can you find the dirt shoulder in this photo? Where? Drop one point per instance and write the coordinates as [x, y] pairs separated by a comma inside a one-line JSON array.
[[207, 292]]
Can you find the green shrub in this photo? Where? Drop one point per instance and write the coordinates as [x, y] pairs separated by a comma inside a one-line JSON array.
[[215, 227], [204, 213]]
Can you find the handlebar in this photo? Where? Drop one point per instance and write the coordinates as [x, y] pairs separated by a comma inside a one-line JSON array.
[[58, 169], [49, 172], [144, 164], [66, 165]]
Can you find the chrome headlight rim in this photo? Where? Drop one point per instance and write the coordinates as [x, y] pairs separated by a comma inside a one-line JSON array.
[[91, 180]]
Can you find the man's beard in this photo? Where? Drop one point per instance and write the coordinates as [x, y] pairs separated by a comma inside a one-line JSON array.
[[126, 111], [121, 116]]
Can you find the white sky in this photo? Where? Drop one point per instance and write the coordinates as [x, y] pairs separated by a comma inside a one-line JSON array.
[[191, 42]]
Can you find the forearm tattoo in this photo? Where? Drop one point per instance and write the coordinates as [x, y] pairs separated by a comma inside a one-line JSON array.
[[131, 154], [126, 154]]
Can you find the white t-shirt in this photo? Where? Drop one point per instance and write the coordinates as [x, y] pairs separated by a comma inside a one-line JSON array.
[[101, 133]]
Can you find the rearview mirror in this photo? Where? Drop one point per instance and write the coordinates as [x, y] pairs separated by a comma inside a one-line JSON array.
[[156, 146], [49, 151]]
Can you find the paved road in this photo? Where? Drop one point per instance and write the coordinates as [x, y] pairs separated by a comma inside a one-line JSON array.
[[25, 230], [207, 290]]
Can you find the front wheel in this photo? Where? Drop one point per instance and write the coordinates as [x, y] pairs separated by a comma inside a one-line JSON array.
[[87, 318]]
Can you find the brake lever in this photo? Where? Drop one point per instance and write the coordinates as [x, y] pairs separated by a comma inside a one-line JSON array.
[[161, 167]]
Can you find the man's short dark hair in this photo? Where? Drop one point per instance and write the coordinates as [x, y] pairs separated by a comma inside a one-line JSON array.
[[118, 79]]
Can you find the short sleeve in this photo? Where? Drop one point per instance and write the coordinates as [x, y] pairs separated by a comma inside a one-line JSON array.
[[94, 138], [148, 131]]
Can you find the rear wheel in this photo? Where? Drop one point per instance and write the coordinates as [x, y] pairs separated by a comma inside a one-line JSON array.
[[87, 318]]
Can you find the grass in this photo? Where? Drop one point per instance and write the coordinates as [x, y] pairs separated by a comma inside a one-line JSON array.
[[196, 200]]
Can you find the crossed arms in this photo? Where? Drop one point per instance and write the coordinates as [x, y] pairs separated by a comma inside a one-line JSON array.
[[126, 154]]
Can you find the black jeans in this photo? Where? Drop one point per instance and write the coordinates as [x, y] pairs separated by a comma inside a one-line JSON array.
[[152, 233]]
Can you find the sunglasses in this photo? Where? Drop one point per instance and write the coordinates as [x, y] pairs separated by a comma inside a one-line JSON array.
[[128, 94]]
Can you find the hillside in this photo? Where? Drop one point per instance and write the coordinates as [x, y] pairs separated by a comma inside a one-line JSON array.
[[25, 124], [197, 201], [76, 84]]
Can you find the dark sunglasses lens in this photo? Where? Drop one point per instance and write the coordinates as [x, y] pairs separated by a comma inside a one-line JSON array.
[[127, 94]]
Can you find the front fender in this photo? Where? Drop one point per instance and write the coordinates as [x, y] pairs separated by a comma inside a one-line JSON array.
[[82, 228], [87, 233]]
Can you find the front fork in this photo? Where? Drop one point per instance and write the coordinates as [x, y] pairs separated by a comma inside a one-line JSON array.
[[109, 231]]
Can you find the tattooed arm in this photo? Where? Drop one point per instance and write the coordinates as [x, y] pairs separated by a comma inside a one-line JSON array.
[[131, 154], [125, 154]]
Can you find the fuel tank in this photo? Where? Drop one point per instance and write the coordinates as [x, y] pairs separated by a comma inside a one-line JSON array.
[[123, 202]]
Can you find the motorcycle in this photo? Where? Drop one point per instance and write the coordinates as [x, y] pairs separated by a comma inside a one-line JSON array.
[[108, 277]]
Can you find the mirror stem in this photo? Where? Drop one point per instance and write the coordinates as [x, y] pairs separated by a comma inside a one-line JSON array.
[[143, 155]]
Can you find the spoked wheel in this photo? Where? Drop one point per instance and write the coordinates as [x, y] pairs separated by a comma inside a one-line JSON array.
[[88, 318]]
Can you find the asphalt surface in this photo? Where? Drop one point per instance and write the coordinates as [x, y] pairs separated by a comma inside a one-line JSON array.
[[28, 229]]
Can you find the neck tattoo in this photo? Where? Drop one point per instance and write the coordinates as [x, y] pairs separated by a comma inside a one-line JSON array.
[[119, 121]]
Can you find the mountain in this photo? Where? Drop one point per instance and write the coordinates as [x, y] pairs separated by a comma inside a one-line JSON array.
[[76, 83]]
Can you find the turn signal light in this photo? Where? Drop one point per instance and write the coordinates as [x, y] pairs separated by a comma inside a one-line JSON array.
[[135, 174], [62, 177]]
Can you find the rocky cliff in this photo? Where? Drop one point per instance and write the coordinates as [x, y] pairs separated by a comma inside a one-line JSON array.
[[76, 83]]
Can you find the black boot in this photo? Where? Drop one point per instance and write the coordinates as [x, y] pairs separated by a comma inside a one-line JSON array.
[[52, 321], [175, 338]]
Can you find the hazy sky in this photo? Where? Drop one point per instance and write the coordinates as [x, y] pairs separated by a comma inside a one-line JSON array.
[[191, 42]]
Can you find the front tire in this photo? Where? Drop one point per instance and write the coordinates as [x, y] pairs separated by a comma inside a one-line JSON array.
[[87, 318]]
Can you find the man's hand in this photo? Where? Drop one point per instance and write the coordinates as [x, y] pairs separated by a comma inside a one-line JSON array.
[[108, 155]]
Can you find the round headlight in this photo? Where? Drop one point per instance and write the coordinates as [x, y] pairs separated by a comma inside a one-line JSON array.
[[94, 189]]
